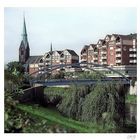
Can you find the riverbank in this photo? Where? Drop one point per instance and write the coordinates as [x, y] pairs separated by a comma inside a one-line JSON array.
[[131, 99]]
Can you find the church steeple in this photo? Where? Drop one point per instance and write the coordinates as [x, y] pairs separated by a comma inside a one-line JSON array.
[[24, 50], [24, 35], [51, 48]]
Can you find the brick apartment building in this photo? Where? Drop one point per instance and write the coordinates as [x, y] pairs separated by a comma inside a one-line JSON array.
[[113, 50], [66, 56]]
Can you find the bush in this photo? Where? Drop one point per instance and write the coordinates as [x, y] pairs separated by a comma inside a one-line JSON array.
[[99, 101], [102, 103], [71, 104]]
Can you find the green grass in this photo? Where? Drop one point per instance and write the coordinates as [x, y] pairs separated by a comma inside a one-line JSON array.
[[131, 99], [56, 118]]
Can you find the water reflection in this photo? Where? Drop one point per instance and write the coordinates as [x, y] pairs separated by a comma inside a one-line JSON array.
[[131, 112]]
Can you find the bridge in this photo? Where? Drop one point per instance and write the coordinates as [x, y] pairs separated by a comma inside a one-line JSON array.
[[40, 79], [64, 82]]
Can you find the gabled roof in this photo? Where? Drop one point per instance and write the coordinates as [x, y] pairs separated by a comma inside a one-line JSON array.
[[92, 45], [125, 37], [72, 52], [100, 40], [59, 52], [34, 59], [134, 36]]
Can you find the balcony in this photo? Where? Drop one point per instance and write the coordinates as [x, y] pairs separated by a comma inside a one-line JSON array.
[[118, 61], [133, 61], [118, 43], [95, 58], [41, 64], [118, 55], [103, 57], [104, 63], [103, 52], [104, 46], [118, 49], [132, 49], [132, 55], [84, 54], [83, 59], [95, 52]]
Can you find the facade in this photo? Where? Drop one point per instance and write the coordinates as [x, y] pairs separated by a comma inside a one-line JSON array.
[[122, 50], [116, 51], [113, 50], [66, 56], [89, 54]]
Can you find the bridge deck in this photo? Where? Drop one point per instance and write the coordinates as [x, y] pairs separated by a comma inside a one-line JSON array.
[[78, 82]]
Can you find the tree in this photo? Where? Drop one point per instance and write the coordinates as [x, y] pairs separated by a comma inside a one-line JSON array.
[[14, 75], [15, 67]]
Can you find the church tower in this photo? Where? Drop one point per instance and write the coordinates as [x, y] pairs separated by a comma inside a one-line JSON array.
[[24, 50]]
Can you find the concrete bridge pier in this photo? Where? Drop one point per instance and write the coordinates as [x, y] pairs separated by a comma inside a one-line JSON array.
[[33, 95]]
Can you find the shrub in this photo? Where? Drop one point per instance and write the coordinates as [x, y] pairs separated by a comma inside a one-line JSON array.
[[103, 105], [71, 104]]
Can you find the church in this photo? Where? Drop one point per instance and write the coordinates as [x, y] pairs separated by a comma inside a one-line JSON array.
[[35, 63]]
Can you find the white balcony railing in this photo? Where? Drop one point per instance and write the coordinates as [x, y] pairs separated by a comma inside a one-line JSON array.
[[118, 55], [95, 58], [133, 61], [118, 61], [104, 63], [118, 43], [104, 46], [103, 57], [83, 59], [132, 49], [95, 52], [84, 54], [40, 64], [132, 55], [118, 49], [103, 52]]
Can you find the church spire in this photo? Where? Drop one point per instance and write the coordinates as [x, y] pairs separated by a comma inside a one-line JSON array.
[[24, 34], [24, 50], [51, 47]]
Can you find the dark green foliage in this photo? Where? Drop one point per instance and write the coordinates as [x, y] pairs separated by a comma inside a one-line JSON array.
[[91, 75], [54, 95], [101, 104], [71, 104], [132, 99], [11, 66]]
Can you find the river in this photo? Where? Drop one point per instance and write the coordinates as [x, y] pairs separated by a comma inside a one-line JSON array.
[[131, 112]]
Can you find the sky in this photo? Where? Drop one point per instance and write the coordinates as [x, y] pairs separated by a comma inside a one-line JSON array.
[[64, 27]]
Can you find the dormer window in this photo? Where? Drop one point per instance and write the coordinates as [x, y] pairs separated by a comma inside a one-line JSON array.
[[48, 56], [62, 55], [41, 61], [118, 39]]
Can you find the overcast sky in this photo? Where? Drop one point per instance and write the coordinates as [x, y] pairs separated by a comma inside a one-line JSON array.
[[69, 28]]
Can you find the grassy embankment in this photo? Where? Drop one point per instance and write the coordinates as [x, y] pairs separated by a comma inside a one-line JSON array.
[[53, 117], [131, 99]]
